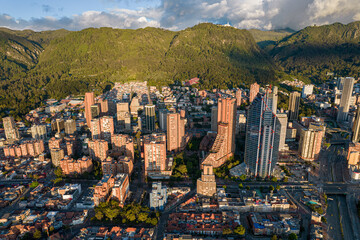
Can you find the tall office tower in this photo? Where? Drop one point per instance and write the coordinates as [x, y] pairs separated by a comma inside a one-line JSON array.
[[283, 120], [56, 155], [307, 90], [95, 128], [150, 117], [294, 102], [11, 132], [254, 90], [163, 119], [123, 144], [262, 136], [88, 102], [206, 185], [95, 110], [345, 99], [238, 97], [311, 140], [122, 111], [340, 83], [175, 132], [38, 132], [214, 121], [356, 126], [70, 126], [224, 145], [107, 127], [98, 149], [155, 153]]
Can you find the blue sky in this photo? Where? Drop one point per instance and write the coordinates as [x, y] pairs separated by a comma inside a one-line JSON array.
[[174, 14], [28, 9]]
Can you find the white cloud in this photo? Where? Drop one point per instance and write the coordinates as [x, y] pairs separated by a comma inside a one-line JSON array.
[[176, 15]]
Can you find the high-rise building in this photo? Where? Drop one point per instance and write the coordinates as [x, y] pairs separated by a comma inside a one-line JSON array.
[[104, 106], [224, 145], [214, 121], [206, 185], [98, 149], [123, 164], [103, 189], [57, 125], [356, 126], [95, 128], [70, 166], [283, 120], [120, 190], [30, 148], [294, 102], [254, 90], [56, 155], [55, 143], [102, 128], [175, 132], [95, 110], [353, 156], [107, 127], [307, 90], [38, 132], [11, 131], [240, 122], [70, 126], [150, 117], [262, 135], [158, 196], [311, 141], [123, 144], [345, 99], [163, 119], [88, 102], [155, 153], [238, 97]]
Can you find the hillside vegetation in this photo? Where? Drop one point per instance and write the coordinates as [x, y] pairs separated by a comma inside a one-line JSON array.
[[66, 63], [314, 51]]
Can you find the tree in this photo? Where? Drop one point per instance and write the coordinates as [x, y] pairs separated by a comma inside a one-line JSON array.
[[293, 236], [274, 179], [111, 213], [241, 185], [37, 234], [240, 230], [271, 188], [286, 179], [247, 188], [154, 221], [99, 215], [58, 172], [278, 187], [242, 177], [274, 237], [34, 184], [142, 217], [227, 231]]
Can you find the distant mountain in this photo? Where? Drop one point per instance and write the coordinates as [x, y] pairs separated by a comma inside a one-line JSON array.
[[314, 51]]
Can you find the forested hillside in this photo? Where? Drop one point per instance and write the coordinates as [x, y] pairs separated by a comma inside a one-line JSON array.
[[66, 63], [315, 51]]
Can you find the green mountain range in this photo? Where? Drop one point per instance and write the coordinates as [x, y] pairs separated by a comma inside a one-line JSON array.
[[39, 65], [315, 51]]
